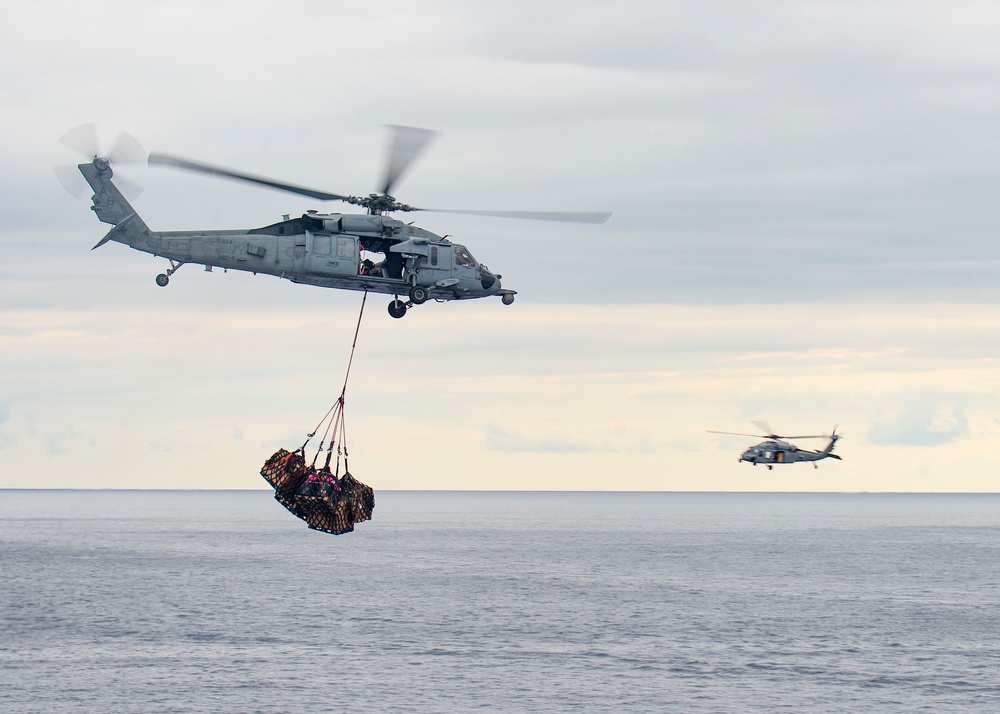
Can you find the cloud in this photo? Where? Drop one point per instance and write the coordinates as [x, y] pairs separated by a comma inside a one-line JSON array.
[[502, 440], [922, 420], [803, 229], [7, 439], [829, 354], [601, 439], [520, 387], [62, 441], [750, 154]]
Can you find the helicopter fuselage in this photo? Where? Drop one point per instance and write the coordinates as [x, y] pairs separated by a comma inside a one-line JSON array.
[[781, 452], [375, 253]]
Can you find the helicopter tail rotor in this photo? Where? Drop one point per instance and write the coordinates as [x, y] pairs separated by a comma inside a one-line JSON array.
[[88, 142], [834, 437]]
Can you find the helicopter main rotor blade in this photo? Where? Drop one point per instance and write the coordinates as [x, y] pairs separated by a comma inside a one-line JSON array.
[[188, 165], [405, 143], [733, 433], [563, 217]]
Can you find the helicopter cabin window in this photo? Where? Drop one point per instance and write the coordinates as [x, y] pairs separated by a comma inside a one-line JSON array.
[[345, 248], [322, 245], [462, 257], [434, 255]]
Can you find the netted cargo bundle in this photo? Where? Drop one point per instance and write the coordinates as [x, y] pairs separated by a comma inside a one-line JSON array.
[[322, 498], [324, 505], [359, 497], [284, 471], [317, 496]]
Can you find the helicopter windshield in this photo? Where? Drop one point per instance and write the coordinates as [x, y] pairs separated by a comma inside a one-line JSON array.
[[463, 257]]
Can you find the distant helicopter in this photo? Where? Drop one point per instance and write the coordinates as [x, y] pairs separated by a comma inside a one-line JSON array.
[[776, 450], [372, 252]]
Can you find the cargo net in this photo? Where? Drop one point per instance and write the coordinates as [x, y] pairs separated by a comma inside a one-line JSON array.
[[322, 498], [325, 501]]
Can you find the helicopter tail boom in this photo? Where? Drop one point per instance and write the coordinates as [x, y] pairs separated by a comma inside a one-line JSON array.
[[112, 207], [828, 451]]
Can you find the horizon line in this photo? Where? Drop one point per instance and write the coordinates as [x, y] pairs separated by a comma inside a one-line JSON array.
[[548, 491]]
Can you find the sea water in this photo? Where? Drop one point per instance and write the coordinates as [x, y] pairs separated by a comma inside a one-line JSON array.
[[509, 602]]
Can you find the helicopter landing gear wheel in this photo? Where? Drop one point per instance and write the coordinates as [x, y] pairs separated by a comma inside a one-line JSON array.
[[163, 278], [507, 298], [418, 295], [769, 467], [397, 308]]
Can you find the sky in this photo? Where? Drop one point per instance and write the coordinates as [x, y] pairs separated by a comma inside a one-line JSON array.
[[804, 233]]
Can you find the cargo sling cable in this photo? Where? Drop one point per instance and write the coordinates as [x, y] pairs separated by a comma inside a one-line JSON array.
[[325, 500]]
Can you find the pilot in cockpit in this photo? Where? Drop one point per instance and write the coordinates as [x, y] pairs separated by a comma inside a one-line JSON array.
[[463, 258]]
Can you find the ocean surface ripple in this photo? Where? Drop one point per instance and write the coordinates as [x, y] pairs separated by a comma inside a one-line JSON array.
[[512, 602]]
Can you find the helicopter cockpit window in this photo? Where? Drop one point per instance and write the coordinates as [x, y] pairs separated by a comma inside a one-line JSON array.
[[462, 257], [322, 245]]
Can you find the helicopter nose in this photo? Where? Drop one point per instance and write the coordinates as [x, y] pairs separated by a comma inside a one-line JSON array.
[[489, 280]]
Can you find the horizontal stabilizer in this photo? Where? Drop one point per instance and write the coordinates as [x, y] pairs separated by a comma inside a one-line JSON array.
[[114, 231]]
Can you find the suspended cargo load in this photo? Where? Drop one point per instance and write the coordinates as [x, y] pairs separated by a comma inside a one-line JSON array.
[[322, 498], [324, 501]]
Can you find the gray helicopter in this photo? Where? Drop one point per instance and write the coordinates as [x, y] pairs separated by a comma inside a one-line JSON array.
[[777, 450], [372, 252]]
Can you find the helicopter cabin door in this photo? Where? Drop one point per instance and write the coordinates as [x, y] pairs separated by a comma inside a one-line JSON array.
[[328, 254], [436, 264]]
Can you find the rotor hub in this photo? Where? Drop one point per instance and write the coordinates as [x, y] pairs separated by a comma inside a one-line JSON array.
[[378, 204]]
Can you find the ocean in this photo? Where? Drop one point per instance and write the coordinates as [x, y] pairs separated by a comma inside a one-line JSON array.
[[183, 601]]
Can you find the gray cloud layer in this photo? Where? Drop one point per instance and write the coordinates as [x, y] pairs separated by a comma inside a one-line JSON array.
[[804, 151], [834, 165]]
